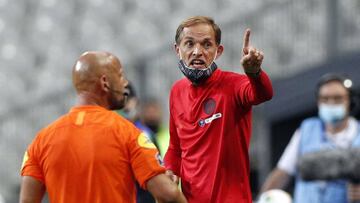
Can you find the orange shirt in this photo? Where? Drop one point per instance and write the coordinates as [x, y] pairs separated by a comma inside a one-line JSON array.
[[91, 155]]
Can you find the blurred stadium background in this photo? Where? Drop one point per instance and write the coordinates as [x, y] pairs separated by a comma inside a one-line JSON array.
[[41, 39]]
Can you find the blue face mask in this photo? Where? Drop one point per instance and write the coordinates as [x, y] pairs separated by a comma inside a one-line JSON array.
[[332, 113]]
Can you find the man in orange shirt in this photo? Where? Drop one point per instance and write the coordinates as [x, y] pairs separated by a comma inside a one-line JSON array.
[[92, 154]]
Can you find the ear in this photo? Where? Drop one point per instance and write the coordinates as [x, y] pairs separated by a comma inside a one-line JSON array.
[[177, 49], [104, 83], [219, 51]]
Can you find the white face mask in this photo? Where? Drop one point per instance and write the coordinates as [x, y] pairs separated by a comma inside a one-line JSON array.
[[332, 113]]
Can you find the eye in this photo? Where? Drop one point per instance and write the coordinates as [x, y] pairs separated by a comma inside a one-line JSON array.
[[207, 45], [189, 43]]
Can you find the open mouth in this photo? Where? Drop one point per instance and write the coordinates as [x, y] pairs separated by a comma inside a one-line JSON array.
[[126, 92], [198, 64]]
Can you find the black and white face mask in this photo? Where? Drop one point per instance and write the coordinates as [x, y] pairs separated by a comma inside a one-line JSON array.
[[197, 76]]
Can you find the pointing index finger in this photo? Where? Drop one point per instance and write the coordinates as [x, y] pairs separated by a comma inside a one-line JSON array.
[[246, 41]]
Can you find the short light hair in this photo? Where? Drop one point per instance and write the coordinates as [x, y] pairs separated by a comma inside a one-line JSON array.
[[198, 20]]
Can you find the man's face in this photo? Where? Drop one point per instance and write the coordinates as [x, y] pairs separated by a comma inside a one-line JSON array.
[[197, 47], [118, 93], [334, 93]]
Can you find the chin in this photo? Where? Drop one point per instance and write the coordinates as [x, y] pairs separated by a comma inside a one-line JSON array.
[[117, 107], [117, 104]]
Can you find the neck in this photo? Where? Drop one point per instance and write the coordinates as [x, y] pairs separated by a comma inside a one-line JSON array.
[[90, 99], [332, 129]]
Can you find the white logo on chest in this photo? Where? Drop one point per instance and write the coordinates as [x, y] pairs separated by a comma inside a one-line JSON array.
[[205, 121]]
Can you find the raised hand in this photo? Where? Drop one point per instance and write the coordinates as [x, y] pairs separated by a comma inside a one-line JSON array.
[[251, 57]]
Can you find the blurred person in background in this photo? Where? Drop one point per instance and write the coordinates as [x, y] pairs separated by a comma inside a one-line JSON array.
[[132, 113], [152, 116], [333, 128], [210, 115], [92, 154], [147, 115]]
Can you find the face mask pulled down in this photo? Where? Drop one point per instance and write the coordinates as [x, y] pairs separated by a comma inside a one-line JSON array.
[[197, 76], [332, 113]]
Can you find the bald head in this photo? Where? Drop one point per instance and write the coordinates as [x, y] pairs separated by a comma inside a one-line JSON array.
[[99, 74], [91, 66]]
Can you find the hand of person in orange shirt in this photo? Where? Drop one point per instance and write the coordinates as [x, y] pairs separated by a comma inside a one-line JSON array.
[[172, 176], [165, 190]]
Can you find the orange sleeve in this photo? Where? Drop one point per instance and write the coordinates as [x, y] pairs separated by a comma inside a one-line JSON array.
[[30, 165], [144, 157]]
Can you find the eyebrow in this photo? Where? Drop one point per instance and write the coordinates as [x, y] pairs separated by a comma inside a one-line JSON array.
[[204, 40], [185, 38], [335, 95]]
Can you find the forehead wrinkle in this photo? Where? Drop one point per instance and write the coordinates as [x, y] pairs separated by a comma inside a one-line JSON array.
[[193, 32], [193, 38], [198, 34]]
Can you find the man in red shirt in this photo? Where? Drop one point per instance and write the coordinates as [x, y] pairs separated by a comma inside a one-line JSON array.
[[92, 154], [210, 115]]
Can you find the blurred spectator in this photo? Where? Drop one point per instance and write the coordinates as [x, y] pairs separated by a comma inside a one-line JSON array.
[[152, 116], [333, 128], [131, 112], [147, 116]]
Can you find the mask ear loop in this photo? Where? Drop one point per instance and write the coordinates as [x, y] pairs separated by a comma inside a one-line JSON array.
[[213, 59], [180, 54], [183, 62], [215, 55]]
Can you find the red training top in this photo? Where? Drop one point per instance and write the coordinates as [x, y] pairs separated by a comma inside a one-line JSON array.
[[210, 128]]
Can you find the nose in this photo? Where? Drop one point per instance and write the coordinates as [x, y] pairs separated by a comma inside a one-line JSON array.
[[126, 82], [197, 50]]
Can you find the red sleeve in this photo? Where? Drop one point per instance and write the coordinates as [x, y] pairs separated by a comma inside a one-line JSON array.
[[31, 166], [173, 155], [255, 90], [144, 157]]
